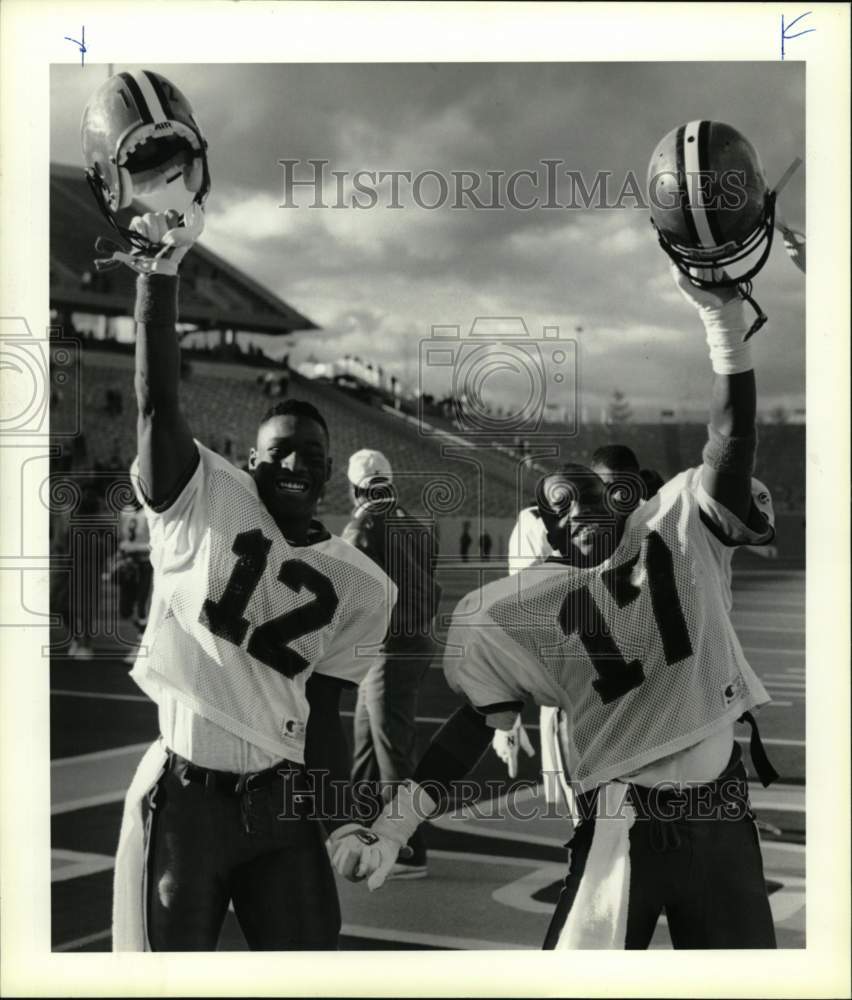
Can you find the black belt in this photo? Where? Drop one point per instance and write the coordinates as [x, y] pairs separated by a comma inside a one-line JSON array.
[[726, 796], [229, 782]]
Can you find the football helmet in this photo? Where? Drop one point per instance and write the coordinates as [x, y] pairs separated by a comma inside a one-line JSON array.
[[711, 206], [139, 133]]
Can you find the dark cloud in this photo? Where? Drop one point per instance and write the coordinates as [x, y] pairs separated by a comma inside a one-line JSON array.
[[379, 278]]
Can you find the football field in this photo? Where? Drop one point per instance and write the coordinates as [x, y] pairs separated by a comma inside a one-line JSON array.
[[494, 875]]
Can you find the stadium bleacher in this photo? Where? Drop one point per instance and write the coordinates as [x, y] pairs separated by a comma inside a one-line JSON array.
[[224, 401]]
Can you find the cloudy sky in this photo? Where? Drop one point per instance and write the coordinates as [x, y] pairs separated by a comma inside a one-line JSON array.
[[377, 279]]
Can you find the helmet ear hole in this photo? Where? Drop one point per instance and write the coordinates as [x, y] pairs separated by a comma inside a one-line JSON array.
[[193, 175], [139, 134], [124, 195]]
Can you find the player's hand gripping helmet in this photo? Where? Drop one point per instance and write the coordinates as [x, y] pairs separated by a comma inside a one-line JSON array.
[[139, 133], [711, 206]]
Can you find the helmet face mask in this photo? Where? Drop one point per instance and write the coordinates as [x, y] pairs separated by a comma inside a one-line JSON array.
[[139, 134], [710, 203]]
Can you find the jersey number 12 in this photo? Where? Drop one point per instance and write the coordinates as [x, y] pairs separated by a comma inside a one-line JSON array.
[[268, 643]]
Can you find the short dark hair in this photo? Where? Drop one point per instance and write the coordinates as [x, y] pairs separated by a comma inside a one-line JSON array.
[[295, 408], [652, 480], [572, 471], [617, 457]]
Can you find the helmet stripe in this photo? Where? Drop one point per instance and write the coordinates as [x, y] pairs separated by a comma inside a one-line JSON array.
[[694, 165], [158, 90], [141, 105], [683, 185], [151, 98], [712, 211]]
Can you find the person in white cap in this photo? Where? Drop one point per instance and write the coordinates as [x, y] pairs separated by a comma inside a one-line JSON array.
[[405, 547]]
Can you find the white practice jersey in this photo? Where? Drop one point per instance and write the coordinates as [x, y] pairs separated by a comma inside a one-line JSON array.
[[639, 652], [240, 618], [528, 542]]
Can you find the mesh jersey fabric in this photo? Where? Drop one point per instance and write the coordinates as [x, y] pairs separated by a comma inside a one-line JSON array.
[[639, 651], [240, 618]]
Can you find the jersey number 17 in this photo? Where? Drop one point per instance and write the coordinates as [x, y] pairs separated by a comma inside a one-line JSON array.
[[579, 615]]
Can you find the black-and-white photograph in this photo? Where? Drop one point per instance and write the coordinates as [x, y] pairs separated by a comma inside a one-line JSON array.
[[425, 485]]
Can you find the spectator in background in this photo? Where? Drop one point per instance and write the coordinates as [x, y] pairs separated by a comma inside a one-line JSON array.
[[115, 463], [134, 547], [114, 402], [465, 541], [60, 589], [79, 450], [85, 580], [652, 481], [385, 712], [485, 545]]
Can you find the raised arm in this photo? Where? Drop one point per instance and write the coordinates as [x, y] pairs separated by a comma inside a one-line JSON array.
[[732, 439], [167, 453]]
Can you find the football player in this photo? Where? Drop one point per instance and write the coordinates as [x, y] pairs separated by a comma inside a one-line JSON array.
[[627, 630], [528, 545], [257, 618]]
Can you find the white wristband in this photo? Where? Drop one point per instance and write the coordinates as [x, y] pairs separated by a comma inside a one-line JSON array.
[[404, 813], [726, 329]]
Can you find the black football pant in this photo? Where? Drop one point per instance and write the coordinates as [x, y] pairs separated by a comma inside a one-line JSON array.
[[705, 873], [206, 848]]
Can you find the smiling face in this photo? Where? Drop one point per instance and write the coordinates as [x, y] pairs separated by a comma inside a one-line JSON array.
[[291, 465], [578, 516]]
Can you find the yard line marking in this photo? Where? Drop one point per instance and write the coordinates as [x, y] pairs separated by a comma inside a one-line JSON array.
[[435, 940], [739, 610], [77, 864], [782, 574], [104, 799], [102, 695], [84, 758], [83, 941], [772, 742], [362, 931], [742, 627], [447, 822], [773, 652], [769, 741]]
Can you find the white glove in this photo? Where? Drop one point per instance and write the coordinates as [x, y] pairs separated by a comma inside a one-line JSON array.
[[394, 828], [357, 852], [171, 242], [722, 311], [506, 743]]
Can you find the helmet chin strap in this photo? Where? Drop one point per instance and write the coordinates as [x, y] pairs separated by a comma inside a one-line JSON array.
[[743, 284], [744, 288]]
